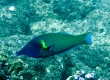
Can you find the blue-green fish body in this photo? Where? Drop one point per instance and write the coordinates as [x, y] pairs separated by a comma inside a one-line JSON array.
[[53, 43]]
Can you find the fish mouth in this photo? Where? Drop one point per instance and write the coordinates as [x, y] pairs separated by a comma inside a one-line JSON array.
[[16, 54]]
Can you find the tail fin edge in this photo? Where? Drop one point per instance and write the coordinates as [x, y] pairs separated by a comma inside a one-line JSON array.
[[88, 38]]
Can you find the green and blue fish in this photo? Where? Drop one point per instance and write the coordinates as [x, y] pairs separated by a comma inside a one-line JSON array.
[[53, 43]]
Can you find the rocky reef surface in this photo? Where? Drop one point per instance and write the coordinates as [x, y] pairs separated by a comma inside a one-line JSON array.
[[22, 20]]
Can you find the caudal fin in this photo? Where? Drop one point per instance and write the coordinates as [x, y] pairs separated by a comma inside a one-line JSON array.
[[88, 38]]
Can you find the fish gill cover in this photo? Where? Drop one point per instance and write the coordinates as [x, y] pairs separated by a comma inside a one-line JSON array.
[[21, 20]]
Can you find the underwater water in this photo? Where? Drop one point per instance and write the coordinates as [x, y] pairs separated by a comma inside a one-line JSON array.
[[22, 20]]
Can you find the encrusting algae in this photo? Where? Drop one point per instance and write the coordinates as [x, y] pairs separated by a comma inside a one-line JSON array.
[[15, 67]]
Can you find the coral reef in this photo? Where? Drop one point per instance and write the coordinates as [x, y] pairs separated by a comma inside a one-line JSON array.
[[15, 67], [21, 20], [73, 9], [3, 66]]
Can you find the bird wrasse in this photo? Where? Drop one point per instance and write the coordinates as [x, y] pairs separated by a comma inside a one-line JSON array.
[[53, 43]]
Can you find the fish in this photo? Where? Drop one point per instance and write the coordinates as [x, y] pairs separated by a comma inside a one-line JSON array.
[[51, 44]]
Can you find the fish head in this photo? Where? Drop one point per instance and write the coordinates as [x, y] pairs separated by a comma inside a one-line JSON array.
[[30, 50]]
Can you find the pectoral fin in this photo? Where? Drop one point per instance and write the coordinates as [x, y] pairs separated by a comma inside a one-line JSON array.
[[45, 47], [48, 48]]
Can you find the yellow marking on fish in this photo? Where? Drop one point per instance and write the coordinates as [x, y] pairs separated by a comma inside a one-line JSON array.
[[43, 44]]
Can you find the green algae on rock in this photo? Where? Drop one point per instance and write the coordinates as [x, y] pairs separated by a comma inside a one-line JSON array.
[[3, 58], [3, 66], [15, 67]]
